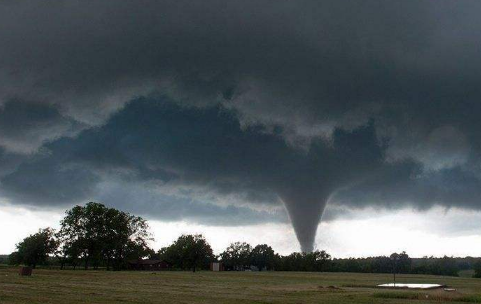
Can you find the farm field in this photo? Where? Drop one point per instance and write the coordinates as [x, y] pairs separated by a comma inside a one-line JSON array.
[[68, 286]]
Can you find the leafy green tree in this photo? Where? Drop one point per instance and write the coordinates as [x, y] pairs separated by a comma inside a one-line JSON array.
[[438, 266], [36, 248], [188, 252], [14, 258], [404, 263], [82, 230], [445, 266], [293, 262], [319, 260], [302, 261], [97, 234], [395, 262], [237, 255], [263, 256], [170, 255], [69, 252], [126, 237], [477, 269]]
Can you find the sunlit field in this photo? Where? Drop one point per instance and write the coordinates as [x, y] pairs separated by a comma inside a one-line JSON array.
[[68, 286]]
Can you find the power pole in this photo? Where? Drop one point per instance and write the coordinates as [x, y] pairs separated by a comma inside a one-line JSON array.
[[395, 264], [394, 258]]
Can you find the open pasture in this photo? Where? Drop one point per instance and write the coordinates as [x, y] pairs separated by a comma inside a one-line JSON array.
[[68, 286]]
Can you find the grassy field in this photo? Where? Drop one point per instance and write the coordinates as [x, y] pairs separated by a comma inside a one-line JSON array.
[[54, 286]]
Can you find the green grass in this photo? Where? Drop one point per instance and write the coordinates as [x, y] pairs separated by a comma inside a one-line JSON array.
[[68, 286]]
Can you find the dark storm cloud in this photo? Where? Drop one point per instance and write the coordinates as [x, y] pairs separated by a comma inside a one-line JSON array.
[[356, 102], [320, 64], [24, 126], [9, 161], [158, 142], [144, 199], [154, 140], [401, 184]]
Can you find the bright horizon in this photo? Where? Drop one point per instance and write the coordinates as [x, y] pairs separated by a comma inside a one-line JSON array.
[[404, 230]]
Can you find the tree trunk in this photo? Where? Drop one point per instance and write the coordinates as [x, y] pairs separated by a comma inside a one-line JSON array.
[[119, 259]]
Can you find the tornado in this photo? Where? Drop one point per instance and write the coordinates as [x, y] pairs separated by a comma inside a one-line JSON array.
[[305, 205]]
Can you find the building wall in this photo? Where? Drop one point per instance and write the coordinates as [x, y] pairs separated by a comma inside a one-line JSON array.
[[216, 266]]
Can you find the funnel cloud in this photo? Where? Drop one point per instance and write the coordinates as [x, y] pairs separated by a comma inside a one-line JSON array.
[[241, 112]]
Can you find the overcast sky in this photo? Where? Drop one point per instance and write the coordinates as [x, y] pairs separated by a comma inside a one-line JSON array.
[[226, 116]]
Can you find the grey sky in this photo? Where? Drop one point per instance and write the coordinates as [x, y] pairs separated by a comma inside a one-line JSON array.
[[239, 108]]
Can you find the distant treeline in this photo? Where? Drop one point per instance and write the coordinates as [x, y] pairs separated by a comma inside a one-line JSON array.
[[95, 236], [448, 266], [3, 259], [322, 261]]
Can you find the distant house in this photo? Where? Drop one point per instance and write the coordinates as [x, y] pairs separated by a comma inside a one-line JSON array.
[[216, 266], [149, 265]]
